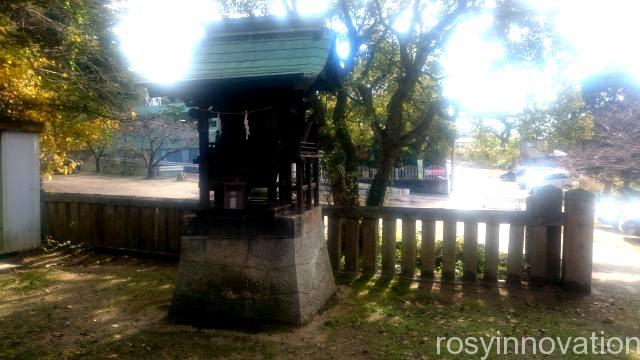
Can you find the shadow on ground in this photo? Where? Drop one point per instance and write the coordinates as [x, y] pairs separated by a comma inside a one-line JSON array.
[[100, 306]]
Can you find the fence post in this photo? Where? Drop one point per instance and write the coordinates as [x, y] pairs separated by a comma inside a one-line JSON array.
[[491, 252], [369, 234], [544, 205], [388, 246], [514, 259], [449, 250], [427, 249], [470, 251], [351, 244], [334, 233], [536, 239], [552, 207], [408, 246], [578, 241]]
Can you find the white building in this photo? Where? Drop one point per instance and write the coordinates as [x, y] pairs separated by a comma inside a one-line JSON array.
[[19, 186]]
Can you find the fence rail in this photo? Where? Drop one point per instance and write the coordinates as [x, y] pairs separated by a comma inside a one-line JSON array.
[[140, 224], [550, 242], [550, 225]]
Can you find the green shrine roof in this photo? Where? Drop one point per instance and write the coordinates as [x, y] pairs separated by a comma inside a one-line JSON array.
[[262, 47], [261, 53]]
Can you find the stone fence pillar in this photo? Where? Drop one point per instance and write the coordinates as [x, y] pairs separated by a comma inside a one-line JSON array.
[[543, 239], [577, 252]]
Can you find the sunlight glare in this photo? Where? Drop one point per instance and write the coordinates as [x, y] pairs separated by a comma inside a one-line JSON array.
[[343, 47], [277, 8], [311, 7], [158, 37], [517, 33], [432, 13], [403, 22], [602, 34], [479, 79]]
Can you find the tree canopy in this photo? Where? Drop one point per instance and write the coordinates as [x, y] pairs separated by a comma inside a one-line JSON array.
[[59, 64], [396, 76], [613, 152]]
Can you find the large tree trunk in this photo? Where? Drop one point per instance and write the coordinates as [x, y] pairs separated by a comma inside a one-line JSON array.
[[150, 172], [346, 192], [97, 164], [151, 164], [343, 177], [381, 181]]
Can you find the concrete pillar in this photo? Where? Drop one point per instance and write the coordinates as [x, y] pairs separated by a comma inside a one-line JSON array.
[[449, 251], [427, 249], [408, 261], [351, 248], [543, 237], [369, 235], [514, 257], [470, 251], [578, 241]]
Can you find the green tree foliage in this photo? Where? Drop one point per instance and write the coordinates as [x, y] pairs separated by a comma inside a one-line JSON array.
[[59, 65], [562, 123], [395, 74], [391, 82], [490, 150], [436, 147]]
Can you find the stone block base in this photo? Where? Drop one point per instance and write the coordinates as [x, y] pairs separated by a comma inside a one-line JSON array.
[[279, 276]]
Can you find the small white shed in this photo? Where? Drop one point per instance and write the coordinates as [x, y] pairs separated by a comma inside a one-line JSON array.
[[20, 186]]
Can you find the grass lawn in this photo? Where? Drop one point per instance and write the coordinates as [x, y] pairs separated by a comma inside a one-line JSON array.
[[104, 306]]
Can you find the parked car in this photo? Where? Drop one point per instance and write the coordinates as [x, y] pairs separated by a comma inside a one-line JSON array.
[[620, 213], [530, 177], [630, 225]]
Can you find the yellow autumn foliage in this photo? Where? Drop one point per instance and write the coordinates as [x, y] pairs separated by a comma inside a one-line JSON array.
[[60, 66]]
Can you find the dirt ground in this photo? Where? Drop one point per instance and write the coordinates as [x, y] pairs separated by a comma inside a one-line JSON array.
[[164, 187], [616, 256], [86, 305]]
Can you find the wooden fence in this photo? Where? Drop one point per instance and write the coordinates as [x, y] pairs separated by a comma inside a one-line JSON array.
[[559, 235], [559, 240], [116, 222]]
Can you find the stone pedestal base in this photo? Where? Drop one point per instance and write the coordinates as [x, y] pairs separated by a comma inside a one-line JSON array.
[[280, 275]]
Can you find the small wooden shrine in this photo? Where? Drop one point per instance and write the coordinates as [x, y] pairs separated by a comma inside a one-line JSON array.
[[253, 79], [255, 251]]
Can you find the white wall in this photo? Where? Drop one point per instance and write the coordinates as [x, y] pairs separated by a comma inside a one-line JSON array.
[[20, 177]]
